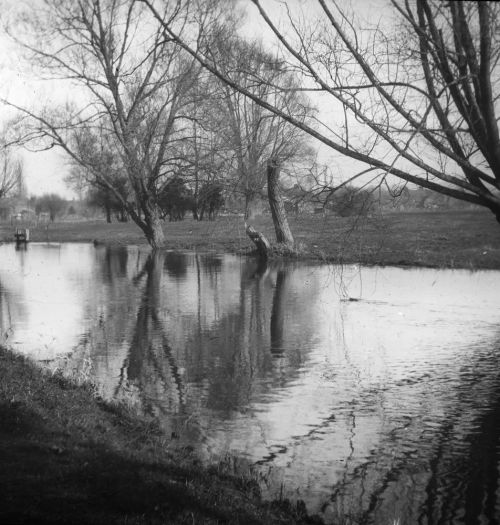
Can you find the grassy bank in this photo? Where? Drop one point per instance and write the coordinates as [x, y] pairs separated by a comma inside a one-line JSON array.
[[67, 457], [454, 239]]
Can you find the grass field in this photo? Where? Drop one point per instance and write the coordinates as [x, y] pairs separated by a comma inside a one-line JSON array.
[[454, 239]]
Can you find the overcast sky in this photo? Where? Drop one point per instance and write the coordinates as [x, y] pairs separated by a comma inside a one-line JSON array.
[[44, 172]]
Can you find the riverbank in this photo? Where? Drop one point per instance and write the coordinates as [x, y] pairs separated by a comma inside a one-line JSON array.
[[68, 457], [451, 239]]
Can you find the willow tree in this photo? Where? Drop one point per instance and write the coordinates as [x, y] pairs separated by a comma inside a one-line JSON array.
[[131, 87], [257, 141], [253, 134], [418, 99]]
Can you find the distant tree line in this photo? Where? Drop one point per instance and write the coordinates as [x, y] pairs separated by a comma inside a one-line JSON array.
[[51, 203], [175, 201]]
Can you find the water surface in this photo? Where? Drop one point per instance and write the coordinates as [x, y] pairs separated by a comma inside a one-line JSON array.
[[372, 394]]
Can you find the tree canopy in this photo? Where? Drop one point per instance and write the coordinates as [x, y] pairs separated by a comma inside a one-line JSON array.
[[134, 88], [416, 100]]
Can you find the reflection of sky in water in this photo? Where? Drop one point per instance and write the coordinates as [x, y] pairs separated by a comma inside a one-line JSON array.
[[310, 371], [398, 352], [52, 283], [45, 284]]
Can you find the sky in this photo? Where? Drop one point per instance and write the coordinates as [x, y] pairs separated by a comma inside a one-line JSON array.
[[45, 171]]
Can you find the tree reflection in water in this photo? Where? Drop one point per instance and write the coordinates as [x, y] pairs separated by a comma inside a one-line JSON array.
[[209, 353], [278, 314], [150, 366]]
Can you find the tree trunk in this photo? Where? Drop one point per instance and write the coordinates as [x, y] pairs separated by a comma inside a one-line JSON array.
[[151, 225], [108, 212], [156, 238], [154, 228], [260, 241], [283, 232]]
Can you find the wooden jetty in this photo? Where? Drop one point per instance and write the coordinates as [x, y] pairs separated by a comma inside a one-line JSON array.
[[22, 235]]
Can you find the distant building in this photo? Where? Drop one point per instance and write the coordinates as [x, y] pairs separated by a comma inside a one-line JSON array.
[[16, 210], [44, 217], [24, 215]]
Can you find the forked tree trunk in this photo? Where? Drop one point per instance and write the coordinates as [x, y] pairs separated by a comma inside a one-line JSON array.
[[281, 226], [156, 237], [151, 224], [153, 227]]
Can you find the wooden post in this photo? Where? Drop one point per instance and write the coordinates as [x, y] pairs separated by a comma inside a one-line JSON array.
[[22, 235]]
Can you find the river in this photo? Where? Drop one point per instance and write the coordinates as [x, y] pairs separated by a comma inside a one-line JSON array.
[[372, 394]]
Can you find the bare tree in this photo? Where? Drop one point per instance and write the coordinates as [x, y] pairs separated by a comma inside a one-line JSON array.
[[99, 168], [254, 134], [11, 173], [135, 83], [282, 229], [419, 104], [206, 152]]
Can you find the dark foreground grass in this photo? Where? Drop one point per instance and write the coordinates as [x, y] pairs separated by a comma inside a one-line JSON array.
[[67, 457], [453, 239]]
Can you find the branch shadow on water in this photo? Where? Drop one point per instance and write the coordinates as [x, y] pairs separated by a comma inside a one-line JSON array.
[[448, 473]]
